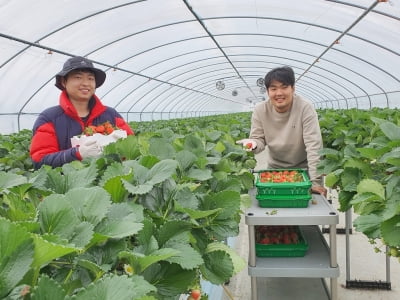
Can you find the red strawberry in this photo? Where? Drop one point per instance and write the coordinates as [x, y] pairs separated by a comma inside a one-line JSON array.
[[100, 129], [195, 294]]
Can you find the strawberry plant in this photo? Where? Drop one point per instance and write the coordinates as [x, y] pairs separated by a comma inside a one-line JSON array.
[[148, 219], [364, 168]]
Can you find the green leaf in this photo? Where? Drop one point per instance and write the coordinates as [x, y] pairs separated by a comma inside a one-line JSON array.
[[364, 197], [48, 289], [187, 257], [332, 153], [331, 179], [392, 207], [60, 180], [161, 148], [170, 279], [82, 234], [116, 287], [358, 164], [392, 157], [228, 201], [371, 153], [369, 225], [16, 207], [197, 214], [143, 262], [120, 222], [328, 165], [392, 187], [103, 255], [344, 200], [220, 147], [390, 230], [56, 216], [199, 174], [73, 216], [350, 179], [127, 148], [16, 255], [218, 267], [185, 159], [162, 170], [115, 187], [194, 144], [96, 270], [89, 204], [46, 251], [171, 229], [391, 130], [350, 151], [8, 180], [140, 189], [238, 262], [371, 186]]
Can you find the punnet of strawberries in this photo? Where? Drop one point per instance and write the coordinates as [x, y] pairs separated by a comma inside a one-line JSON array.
[[277, 234], [103, 134], [105, 128], [281, 176]]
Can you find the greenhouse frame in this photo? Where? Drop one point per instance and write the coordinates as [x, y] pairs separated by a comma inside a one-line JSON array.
[[173, 59]]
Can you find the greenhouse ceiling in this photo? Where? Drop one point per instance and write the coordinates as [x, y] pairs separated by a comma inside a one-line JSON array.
[[185, 58]]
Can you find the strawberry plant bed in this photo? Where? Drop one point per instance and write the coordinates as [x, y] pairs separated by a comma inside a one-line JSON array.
[[283, 188], [280, 241]]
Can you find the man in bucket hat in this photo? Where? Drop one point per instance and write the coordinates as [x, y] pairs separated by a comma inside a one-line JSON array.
[[78, 108]]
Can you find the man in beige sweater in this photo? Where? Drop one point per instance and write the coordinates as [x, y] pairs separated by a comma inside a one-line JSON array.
[[288, 125]]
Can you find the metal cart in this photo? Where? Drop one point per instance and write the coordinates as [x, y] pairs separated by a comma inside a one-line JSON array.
[[319, 262]]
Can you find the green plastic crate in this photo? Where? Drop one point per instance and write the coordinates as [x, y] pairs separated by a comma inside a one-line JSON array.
[[284, 194], [284, 250]]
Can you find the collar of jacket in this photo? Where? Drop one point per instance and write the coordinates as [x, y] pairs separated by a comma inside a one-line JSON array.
[[97, 108]]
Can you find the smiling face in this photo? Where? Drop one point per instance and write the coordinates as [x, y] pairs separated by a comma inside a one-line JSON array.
[[280, 95], [80, 85]]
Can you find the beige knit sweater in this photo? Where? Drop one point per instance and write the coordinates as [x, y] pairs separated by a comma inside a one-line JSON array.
[[293, 138]]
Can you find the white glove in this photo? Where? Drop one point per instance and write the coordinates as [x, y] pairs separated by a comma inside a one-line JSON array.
[[248, 144], [89, 149]]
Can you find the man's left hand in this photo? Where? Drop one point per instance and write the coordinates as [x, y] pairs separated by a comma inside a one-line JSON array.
[[317, 189]]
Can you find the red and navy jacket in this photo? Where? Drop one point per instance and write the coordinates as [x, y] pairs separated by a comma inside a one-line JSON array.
[[55, 126]]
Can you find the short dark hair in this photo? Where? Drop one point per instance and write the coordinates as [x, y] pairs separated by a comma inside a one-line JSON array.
[[282, 74]]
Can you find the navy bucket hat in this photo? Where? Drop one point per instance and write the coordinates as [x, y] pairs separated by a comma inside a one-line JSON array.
[[79, 62]]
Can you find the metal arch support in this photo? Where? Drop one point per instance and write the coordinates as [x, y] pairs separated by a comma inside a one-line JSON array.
[[182, 40], [357, 58], [289, 50], [217, 44], [114, 8], [314, 79]]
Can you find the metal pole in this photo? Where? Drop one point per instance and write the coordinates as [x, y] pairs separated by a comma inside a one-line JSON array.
[[333, 259], [252, 260], [347, 228]]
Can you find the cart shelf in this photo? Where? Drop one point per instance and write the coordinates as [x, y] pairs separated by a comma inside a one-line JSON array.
[[316, 262]]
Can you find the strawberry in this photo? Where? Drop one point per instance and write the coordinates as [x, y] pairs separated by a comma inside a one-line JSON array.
[[249, 146], [90, 130], [100, 129], [195, 294], [109, 130], [265, 241]]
